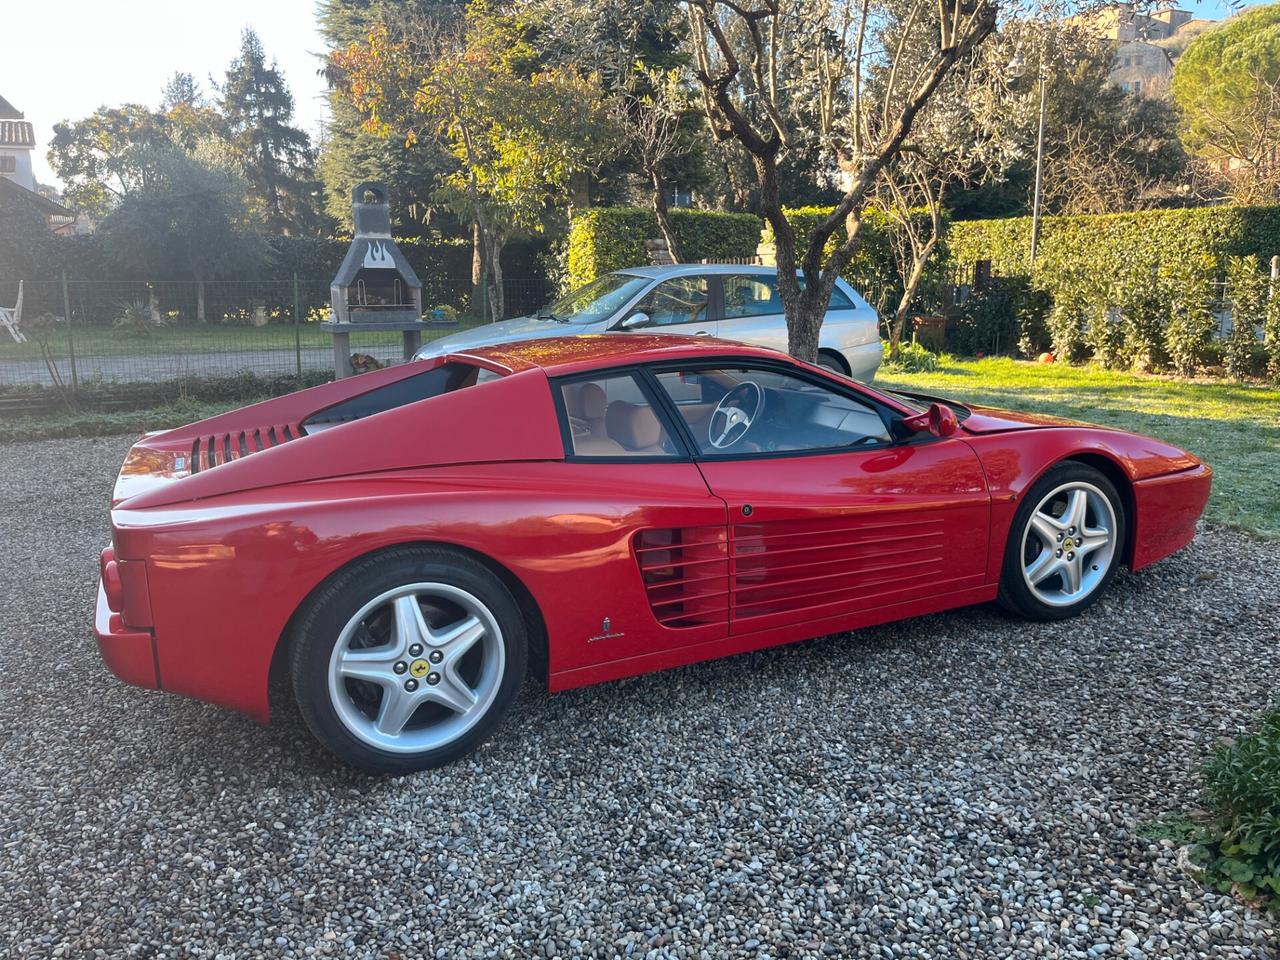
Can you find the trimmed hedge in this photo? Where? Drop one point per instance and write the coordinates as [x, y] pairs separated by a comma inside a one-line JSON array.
[[1103, 244], [1136, 290], [602, 239]]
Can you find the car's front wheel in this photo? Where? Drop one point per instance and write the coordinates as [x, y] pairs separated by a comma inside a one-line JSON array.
[[408, 659], [1064, 545]]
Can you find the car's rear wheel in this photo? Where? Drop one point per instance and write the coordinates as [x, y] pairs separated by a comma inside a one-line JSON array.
[[408, 659], [830, 360], [1064, 545]]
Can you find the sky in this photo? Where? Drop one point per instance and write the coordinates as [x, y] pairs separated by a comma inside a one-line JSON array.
[[73, 56], [77, 55]]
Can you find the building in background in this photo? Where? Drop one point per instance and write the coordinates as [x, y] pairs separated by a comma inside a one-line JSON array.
[[17, 176], [1147, 45]]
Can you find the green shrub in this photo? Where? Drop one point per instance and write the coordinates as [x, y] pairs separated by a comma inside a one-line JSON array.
[[1188, 331], [1240, 849], [1247, 291], [1139, 302], [912, 358], [1271, 336], [1073, 299], [988, 322], [1102, 245], [1102, 332], [135, 320], [602, 239]]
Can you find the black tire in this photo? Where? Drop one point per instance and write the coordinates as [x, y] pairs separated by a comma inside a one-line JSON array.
[[320, 624], [1016, 594], [830, 360]]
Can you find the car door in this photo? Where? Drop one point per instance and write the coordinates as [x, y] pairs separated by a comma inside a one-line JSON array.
[[828, 514], [752, 311], [680, 305], [651, 567]]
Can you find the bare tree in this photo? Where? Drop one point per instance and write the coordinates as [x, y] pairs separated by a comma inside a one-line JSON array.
[[756, 60], [967, 133], [647, 112]]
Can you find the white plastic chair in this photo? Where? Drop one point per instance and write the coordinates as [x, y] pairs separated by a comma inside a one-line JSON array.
[[11, 319]]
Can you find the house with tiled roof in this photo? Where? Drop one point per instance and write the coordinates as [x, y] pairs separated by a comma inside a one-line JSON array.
[[17, 141], [17, 176]]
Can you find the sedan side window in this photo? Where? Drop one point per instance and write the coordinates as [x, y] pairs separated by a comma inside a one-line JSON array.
[[756, 295], [678, 300], [750, 296], [612, 417], [740, 411]]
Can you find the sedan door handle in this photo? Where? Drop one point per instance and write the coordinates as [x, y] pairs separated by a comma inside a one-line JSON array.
[[702, 333]]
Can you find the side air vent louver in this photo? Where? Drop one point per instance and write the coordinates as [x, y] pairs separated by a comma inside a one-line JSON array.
[[686, 574], [217, 449]]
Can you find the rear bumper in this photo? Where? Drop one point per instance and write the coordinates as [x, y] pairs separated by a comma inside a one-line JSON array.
[[864, 360], [128, 652], [1166, 511]]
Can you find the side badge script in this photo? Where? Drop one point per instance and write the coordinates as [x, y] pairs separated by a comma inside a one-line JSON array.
[[606, 632]]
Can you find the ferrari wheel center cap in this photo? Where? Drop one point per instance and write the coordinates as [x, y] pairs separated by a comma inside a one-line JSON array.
[[419, 668], [1068, 543]]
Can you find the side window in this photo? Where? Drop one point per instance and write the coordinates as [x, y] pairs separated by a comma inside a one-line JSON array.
[[840, 301], [743, 411], [747, 295], [679, 300], [612, 417]]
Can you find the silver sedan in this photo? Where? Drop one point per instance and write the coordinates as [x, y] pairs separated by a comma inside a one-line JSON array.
[[705, 300]]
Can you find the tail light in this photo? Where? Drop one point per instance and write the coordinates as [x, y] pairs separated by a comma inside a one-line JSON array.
[[125, 584]]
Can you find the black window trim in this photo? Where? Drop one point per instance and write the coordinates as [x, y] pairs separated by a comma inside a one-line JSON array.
[[652, 392], [886, 413]]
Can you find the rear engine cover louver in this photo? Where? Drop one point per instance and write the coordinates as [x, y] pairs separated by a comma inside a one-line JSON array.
[[212, 451]]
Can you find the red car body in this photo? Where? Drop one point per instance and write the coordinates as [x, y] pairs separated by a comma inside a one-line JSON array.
[[620, 568]]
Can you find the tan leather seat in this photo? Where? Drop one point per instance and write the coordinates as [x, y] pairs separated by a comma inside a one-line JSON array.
[[635, 426], [587, 405]]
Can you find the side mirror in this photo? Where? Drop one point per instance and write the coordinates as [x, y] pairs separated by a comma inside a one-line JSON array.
[[939, 420], [635, 321]]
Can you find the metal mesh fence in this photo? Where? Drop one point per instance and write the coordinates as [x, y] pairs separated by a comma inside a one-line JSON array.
[[136, 332]]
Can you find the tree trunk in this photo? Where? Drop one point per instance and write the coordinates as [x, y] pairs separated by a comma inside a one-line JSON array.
[[805, 306], [908, 295], [493, 260], [153, 305], [664, 214], [478, 277], [497, 299], [200, 314]]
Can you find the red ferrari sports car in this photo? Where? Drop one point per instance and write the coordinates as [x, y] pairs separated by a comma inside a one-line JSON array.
[[408, 543]]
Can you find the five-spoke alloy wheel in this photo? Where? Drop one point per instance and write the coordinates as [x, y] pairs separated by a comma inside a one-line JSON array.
[[1064, 544], [407, 659]]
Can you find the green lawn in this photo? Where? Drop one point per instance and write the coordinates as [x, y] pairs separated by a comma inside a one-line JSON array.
[[1234, 428], [201, 338]]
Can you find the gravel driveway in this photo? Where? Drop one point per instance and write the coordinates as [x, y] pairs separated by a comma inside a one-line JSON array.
[[960, 785]]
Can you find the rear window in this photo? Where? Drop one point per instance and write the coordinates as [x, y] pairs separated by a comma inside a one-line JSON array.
[[422, 386]]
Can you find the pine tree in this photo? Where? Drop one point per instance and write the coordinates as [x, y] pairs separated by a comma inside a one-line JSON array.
[[275, 157]]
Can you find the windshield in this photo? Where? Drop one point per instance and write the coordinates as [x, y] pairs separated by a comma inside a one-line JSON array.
[[598, 300]]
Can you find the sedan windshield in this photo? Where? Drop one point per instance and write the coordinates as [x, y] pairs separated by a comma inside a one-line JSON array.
[[598, 300]]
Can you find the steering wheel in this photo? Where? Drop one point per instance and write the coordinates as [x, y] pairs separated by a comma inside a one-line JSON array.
[[734, 414]]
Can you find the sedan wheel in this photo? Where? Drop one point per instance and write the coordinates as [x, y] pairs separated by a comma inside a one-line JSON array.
[[1064, 544], [408, 659]]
